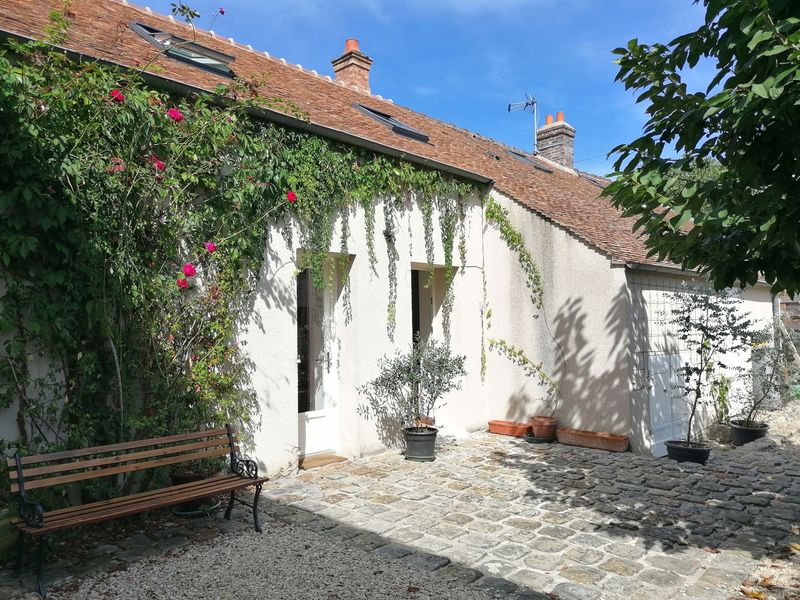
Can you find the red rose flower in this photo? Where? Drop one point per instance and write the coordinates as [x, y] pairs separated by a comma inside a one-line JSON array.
[[157, 164], [183, 283], [189, 270], [117, 96], [175, 115], [291, 197], [211, 247]]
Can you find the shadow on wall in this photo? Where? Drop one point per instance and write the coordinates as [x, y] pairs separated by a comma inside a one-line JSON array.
[[275, 295], [594, 389], [587, 397]]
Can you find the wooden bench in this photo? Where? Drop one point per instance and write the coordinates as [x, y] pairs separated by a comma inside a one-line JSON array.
[[29, 473]]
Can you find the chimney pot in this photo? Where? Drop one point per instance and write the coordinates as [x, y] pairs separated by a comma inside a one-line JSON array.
[[556, 140], [352, 67]]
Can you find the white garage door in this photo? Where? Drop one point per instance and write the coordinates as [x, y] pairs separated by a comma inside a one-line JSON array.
[[667, 408]]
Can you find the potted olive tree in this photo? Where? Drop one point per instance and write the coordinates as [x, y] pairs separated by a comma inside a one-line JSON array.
[[711, 327], [408, 390]]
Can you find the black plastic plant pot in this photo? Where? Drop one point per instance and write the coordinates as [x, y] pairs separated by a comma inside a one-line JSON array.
[[681, 451], [420, 443], [742, 434]]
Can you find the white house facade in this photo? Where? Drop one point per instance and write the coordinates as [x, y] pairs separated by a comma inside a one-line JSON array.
[[597, 334]]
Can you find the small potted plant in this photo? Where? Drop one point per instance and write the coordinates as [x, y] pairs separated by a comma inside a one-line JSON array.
[[767, 367], [407, 391], [544, 426]]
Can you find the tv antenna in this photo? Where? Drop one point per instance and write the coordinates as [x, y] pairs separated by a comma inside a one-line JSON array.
[[529, 106]]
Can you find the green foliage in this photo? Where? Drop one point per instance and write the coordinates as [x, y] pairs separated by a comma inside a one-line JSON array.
[[720, 390], [744, 222], [498, 216], [529, 368], [103, 199], [411, 385]]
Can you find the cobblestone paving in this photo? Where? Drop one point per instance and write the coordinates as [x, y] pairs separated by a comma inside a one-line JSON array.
[[580, 523]]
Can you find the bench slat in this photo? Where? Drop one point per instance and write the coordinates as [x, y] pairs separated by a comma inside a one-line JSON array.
[[168, 500], [78, 452], [133, 498], [129, 468], [113, 460]]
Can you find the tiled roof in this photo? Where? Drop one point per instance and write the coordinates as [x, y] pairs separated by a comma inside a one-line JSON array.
[[571, 200]]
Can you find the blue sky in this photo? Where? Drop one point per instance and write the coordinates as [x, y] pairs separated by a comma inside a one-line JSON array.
[[463, 61]]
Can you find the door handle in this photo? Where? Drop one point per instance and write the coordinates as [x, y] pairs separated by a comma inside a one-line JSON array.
[[326, 360]]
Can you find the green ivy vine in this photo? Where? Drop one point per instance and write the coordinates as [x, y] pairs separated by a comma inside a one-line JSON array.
[[497, 216]]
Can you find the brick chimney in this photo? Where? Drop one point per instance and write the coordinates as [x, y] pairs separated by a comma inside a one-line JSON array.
[[556, 140], [352, 67]]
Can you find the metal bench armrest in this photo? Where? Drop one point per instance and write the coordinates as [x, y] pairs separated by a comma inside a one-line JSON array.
[[244, 467]]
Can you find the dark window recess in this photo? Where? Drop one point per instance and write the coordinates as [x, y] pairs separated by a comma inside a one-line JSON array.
[[414, 305], [530, 161], [185, 50], [397, 126]]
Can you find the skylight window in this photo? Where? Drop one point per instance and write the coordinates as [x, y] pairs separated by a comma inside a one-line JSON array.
[[397, 126], [185, 50], [530, 161]]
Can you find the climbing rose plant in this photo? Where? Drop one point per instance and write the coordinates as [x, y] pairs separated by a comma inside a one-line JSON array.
[[135, 224]]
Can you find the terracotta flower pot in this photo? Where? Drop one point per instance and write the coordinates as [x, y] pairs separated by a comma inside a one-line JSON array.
[[593, 439], [514, 428], [544, 427]]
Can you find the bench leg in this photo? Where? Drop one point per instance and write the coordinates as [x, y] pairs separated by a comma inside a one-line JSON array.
[[40, 559], [255, 508], [230, 505], [20, 553]]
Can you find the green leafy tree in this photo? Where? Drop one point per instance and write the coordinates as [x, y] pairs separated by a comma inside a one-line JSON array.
[[744, 222]]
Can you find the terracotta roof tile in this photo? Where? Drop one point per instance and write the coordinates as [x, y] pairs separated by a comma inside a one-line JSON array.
[[100, 29]]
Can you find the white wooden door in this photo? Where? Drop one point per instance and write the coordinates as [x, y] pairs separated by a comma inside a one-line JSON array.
[[316, 360], [667, 408]]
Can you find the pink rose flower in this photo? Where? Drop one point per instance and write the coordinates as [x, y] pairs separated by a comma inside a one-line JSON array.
[[211, 247], [183, 283], [117, 96], [175, 115], [117, 165], [291, 197], [189, 270]]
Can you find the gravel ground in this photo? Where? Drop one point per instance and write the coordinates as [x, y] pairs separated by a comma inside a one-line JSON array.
[[285, 562]]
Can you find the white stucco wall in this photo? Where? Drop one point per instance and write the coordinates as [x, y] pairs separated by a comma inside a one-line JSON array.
[[580, 335]]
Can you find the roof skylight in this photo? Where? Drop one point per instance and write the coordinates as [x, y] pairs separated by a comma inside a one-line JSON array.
[[185, 50], [529, 160], [397, 126]]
